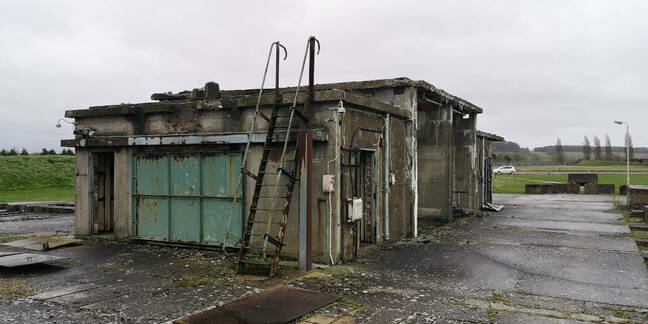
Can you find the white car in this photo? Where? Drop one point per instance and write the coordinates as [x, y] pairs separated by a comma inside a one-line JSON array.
[[505, 170]]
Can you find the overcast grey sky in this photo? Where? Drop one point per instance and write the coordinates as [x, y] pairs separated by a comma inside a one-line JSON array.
[[540, 69]]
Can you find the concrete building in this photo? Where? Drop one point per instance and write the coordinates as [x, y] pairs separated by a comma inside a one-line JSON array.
[[166, 170], [444, 141], [485, 167]]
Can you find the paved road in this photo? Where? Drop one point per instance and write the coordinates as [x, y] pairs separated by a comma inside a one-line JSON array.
[[568, 251], [566, 246], [543, 259]]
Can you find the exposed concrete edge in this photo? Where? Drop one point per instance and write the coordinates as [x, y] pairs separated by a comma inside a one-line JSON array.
[[490, 136], [241, 102], [372, 84], [320, 135]]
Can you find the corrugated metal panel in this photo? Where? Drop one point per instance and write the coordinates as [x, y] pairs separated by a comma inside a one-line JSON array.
[[187, 197]]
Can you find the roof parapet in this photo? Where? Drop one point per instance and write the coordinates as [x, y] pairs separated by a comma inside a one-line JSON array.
[[490, 136]]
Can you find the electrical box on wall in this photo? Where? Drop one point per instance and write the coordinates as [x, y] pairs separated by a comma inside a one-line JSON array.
[[328, 183], [355, 209]]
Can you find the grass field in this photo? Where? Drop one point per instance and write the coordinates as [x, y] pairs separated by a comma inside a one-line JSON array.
[[587, 166], [514, 184], [36, 178]]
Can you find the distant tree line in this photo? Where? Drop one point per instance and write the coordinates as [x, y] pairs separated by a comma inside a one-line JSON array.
[[591, 151], [511, 147], [44, 151]]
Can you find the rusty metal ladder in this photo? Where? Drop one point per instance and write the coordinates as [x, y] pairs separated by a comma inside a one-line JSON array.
[[285, 176]]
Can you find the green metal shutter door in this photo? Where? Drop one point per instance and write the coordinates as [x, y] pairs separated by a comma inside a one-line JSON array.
[[186, 197]]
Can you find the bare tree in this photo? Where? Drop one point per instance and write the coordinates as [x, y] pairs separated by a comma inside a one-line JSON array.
[[628, 143], [560, 153], [597, 148], [608, 149], [587, 149]]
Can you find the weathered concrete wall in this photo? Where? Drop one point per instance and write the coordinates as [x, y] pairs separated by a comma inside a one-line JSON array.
[[435, 162], [598, 188], [582, 178], [638, 196], [123, 201], [554, 188], [238, 120], [82, 202], [465, 174], [484, 171]]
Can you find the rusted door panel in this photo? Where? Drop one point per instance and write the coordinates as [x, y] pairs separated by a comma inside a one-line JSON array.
[[215, 215], [185, 220], [197, 192], [152, 218], [185, 175], [152, 175], [217, 172]]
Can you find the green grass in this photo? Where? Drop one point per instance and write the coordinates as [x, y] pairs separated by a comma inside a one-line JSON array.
[[36, 178], [587, 166], [514, 184]]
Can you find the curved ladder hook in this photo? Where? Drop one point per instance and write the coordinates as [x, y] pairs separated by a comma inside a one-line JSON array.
[[284, 48], [318, 43]]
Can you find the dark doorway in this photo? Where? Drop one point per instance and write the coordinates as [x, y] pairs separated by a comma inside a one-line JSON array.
[[103, 192], [367, 191]]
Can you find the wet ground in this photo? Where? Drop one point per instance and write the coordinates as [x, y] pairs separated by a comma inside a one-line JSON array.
[[543, 258]]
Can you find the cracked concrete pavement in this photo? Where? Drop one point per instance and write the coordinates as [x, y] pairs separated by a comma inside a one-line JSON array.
[[543, 259]]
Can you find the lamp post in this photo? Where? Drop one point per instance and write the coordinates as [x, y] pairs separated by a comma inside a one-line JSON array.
[[627, 149]]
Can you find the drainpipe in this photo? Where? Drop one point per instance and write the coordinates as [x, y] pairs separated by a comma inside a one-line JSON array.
[[386, 174], [483, 171]]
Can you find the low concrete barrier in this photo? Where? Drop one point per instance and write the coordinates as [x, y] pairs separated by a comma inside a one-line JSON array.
[[582, 178], [552, 188], [623, 190], [638, 196], [598, 188]]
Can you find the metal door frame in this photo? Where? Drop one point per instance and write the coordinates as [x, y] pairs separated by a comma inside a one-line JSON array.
[[168, 154], [374, 216], [92, 156]]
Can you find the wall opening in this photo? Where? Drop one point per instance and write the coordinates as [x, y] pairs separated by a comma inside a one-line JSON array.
[[103, 192]]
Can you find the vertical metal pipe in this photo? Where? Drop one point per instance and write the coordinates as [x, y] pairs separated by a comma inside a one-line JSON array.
[[483, 171], [386, 174], [311, 69], [628, 153]]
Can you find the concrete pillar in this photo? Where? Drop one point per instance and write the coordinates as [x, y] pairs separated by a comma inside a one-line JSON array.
[[123, 193], [465, 161], [82, 195], [435, 161]]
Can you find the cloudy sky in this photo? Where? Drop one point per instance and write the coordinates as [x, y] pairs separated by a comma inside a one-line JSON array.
[[540, 69]]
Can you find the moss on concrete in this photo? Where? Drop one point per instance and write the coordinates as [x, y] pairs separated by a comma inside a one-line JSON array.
[[14, 288]]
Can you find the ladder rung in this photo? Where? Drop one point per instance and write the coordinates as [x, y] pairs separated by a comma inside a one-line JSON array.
[[265, 209], [298, 114], [301, 116], [271, 185], [285, 161], [264, 116], [289, 175], [249, 174], [265, 223], [256, 262], [273, 240], [288, 148]]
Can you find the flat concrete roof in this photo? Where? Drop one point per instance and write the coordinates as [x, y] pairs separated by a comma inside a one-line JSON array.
[[240, 101], [490, 136], [375, 84]]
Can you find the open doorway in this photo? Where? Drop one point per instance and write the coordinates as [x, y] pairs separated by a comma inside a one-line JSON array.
[[103, 192], [366, 173]]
